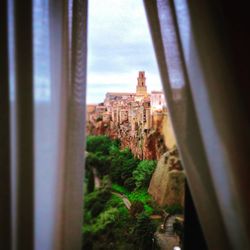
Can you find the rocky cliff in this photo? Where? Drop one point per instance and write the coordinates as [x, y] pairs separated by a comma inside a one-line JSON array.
[[147, 144], [167, 183]]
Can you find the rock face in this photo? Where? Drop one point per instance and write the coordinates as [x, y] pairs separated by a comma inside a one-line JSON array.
[[167, 183], [145, 144]]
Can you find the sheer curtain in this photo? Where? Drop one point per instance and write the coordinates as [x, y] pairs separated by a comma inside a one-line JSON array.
[[42, 88], [208, 116], [5, 198]]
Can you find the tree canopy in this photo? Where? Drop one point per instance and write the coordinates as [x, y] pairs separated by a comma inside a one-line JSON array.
[[142, 174]]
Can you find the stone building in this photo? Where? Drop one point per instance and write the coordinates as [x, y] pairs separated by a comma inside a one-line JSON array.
[[141, 88], [157, 100], [137, 119]]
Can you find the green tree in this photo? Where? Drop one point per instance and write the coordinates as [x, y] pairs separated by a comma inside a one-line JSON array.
[[129, 183], [144, 232], [98, 161], [137, 207], [91, 182], [100, 144], [142, 174], [122, 164]]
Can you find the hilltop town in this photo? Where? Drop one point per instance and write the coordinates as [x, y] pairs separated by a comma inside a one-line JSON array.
[[136, 119], [145, 184]]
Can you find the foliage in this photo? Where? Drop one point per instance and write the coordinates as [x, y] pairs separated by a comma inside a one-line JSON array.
[[97, 208], [106, 182], [104, 219], [142, 196], [144, 232], [114, 201], [119, 189], [99, 162], [148, 209], [139, 195], [91, 182], [122, 165], [137, 207], [142, 174], [129, 183], [108, 224], [87, 217], [174, 209], [96, 201], [100, 144]]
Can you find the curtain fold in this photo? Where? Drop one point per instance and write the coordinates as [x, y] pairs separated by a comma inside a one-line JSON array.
[[23, 43], [5, 182], [68, 28], [75, 132], [42, 128], [202, 100]]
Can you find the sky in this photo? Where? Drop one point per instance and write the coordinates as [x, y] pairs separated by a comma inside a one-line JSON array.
[[119, 45]]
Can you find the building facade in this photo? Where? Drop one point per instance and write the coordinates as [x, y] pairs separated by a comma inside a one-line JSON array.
[[132, 117]]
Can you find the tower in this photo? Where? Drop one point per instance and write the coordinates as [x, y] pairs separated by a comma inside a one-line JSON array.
[[141, 88]]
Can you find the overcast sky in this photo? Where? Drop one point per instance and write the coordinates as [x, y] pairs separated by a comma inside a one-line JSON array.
[[119, 45]]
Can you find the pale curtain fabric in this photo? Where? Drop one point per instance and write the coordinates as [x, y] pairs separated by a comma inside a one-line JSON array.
[[43, 86], [5, 198], [211, 129]]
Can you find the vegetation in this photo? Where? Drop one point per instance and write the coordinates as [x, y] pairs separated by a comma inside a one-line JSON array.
[[174, 209], [101, 144], [108, 224], [126, 162], [142, 174], [144, 232]]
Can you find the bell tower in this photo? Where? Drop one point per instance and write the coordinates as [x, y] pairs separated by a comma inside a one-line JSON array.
[[141, 88]]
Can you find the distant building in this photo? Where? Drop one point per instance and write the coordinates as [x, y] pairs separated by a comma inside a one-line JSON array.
[[138, 109], [139, 120], [157, 100], [141, 88]]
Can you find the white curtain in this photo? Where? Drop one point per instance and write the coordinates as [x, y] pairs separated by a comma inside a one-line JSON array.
[[42, 128], [207, 116]]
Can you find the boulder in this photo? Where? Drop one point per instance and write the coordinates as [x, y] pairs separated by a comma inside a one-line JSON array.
[[168, 180]]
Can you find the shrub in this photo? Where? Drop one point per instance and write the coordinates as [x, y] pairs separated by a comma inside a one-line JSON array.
[[106, 182], [122, 164], [105, 219], [100, 144], [148, 210], [144, 232], [114, 201], [142, 174], [136, 208], [139, 195], [91, 182], [129, 183], [98, 195], [119, 189], [174, 209], [97, 208], [99, 162]]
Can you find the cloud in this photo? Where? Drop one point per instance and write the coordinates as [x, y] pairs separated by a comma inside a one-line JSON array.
[[119, 45]]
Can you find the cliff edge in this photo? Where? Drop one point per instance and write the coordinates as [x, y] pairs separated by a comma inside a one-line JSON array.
[[168, 181]]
